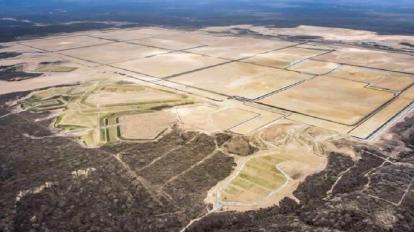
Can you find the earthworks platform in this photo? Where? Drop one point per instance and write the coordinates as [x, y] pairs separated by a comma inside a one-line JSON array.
[[257, 80]]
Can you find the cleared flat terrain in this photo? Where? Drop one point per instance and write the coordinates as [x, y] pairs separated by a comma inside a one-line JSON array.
[[241, 79], [284, 57], [393, 81], [330, 86], [336, 100], [166, 65], [370, 58], [233, 48], [113, 53], [65, 42]]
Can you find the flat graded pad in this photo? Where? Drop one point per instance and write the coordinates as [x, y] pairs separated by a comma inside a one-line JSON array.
[[375, 78], [314, 67], [145, 126], [126, 95], [18, 48], [211, 119], [241, 79], [166, 65], [171, 43], [377, 120], [308, 120], [337, 100], [113, 53], [64, 43], [373, 59], [386, 114], [284, 57], [251, 126], [229, 118], [233, 48], [134, 34]]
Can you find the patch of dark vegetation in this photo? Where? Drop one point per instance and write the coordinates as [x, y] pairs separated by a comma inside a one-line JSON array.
[[15, 73], [407, 44], [376, 46], [51, 62], [303, 37], [54, 184], [372, 193], [247, 32], [239, 145], [5, 55]]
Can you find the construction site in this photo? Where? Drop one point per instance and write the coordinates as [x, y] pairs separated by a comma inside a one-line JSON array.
[[165, 108]]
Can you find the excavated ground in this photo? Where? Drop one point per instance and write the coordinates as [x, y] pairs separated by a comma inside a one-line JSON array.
[[373, 193]]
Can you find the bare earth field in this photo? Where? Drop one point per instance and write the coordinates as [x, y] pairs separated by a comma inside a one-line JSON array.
[[237, 128]]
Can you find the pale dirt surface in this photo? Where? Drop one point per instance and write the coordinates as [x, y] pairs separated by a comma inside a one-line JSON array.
[[113, 53], [373, 123], [343, 129], [107, 96], [133, 34], [169, 64], [52, 80], [284, 57], [145, 126], [63, 43], [241, 79], [314, 67], [344, 96], [373, 59], [318, 97], [255, 124], [375, 78], [212, 118], [180, 42], [236, 48], [409, 93]]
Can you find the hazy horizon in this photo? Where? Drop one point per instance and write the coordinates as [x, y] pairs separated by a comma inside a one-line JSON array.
[[34, 17]]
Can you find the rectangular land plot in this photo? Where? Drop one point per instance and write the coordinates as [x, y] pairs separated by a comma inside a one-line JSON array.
[[284, 57], [233, 48], [314, 67], [241, 79], [256, 123], [212, 119], [114, 52], [373, 59], [145, 126], [180, 42], [367, 128], [170, 64], [343, 129], [376, 78], [337, 100], [134, 34], [64, 43]]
